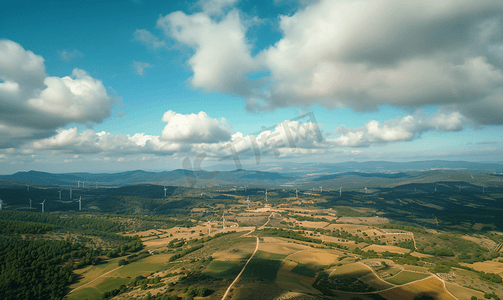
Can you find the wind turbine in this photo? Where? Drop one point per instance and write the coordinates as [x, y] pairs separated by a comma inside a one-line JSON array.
[[435, 188], [340, 191], [248, 201], [70, 193], [83, 184], [78, 183], [43, 205], [30, 203], [60, 194], [165, 192], [80, 203], [321, 189], [209, 227], [223, 220], [265, 195], [365, 190], [1, 204], [296, 194]]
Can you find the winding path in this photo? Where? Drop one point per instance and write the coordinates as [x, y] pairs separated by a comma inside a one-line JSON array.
[[237, 277], [253, 254], [95, 279]]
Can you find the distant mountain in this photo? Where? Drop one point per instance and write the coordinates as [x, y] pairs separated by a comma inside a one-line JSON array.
[[286, 174], [378, 166], [173, 178]]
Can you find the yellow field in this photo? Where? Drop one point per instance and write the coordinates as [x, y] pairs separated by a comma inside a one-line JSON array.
[[281, 247], [310, 224], [365, 220], [420, 255], [381, 248], [463, 293], [314, 257], [351, 270], [489, 266], [431, 286]]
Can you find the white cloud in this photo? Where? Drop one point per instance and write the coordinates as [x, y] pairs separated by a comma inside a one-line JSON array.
[[355, 53], [140, 67], [147, 38], [34, 104], [68, 55], [400, 129], [194, 128], [222, 56]]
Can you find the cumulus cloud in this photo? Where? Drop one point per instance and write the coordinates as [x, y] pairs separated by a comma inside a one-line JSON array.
[[181, 135], [144, 36], [222, 56], [195, 128], [68, 55], [400, 129], [34, 104], [139, 67], [90, 142], [358, 54]]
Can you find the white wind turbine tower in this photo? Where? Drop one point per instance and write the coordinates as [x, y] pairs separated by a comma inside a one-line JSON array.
[[60, 194], [248, 201], [296, 194], [265, 195], [83, 184], [43, 206], [209, 227], [321, 189], [340, 191], [78, 183], [30, 203], [1, 204], [70, 193], [365, 190], [165, 192], [80, 203]]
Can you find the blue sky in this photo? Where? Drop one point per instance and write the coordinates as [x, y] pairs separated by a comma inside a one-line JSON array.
[[99, 86]]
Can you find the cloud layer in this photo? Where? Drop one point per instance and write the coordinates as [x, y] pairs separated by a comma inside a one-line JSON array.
[[34, 104], [358, 54]]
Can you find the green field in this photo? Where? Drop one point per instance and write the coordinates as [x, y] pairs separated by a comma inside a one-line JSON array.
[[303, 270], [223, 269], [96, 292], [269, 255], [262, 268], [406, 277]]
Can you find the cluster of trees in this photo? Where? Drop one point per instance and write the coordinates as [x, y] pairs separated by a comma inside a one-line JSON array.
[[31, 270], [67, 223], [22, 227], [176, 243], [185, 252], [290, 234]]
